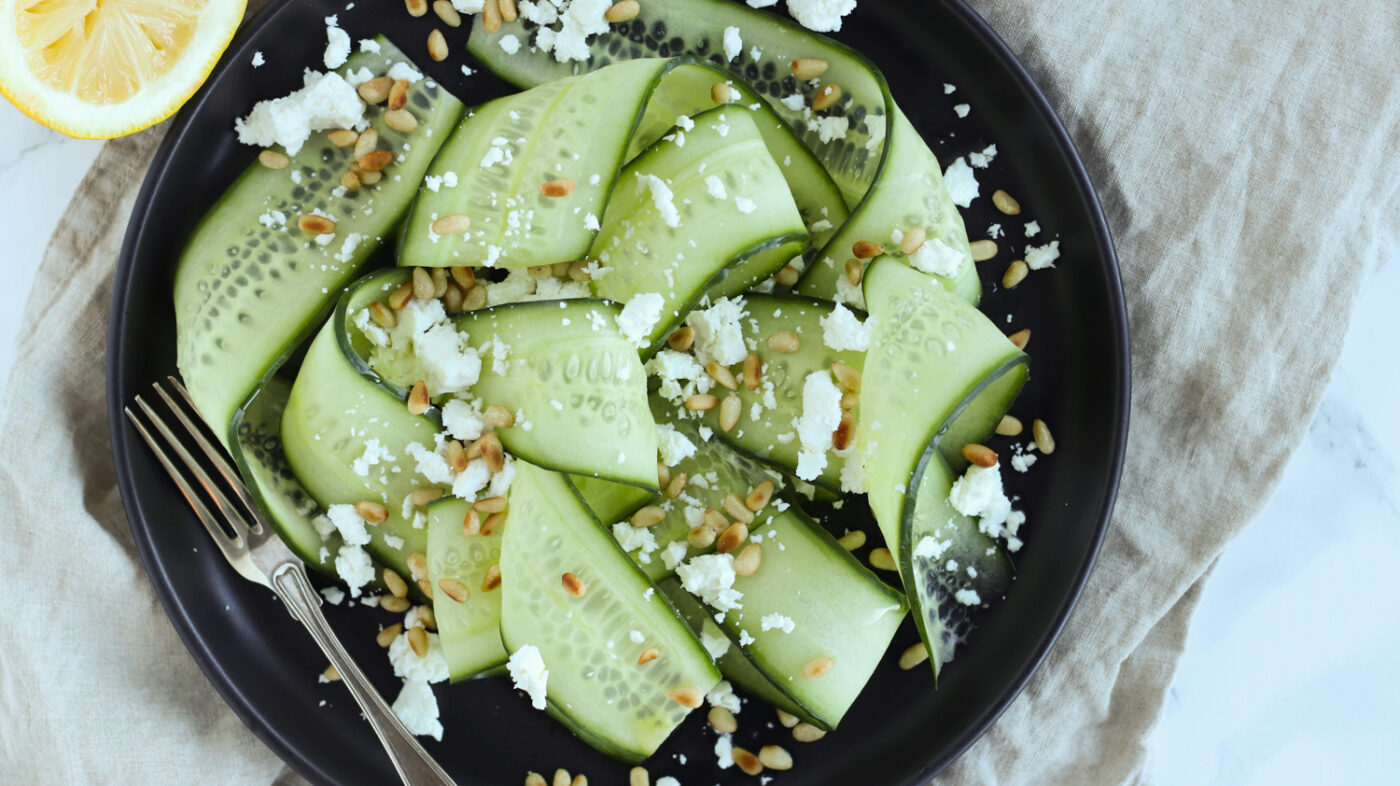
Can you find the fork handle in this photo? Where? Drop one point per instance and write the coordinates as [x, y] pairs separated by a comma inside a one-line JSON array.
[[414, 765]]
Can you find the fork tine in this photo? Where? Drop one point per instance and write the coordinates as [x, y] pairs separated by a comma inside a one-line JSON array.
[[211, 451], [228, 546], [233, 517]]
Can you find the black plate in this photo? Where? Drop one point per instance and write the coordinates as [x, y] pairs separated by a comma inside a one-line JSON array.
[[901, 731]]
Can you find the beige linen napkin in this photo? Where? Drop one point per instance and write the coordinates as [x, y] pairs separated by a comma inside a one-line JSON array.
[[1244, 157]]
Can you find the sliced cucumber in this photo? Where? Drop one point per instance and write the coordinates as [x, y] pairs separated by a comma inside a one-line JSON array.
[[729, 219], [247, 292], [609, 501], [596, 685], [936, 367], [469, 630]]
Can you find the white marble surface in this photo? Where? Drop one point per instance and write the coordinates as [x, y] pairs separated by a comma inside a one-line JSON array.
[[1289, 670]]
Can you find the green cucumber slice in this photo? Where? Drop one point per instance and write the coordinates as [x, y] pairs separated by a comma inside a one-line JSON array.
[[934, 361], [709, 243], [247, 294], [609, 501], [595, 684], [469, 631]]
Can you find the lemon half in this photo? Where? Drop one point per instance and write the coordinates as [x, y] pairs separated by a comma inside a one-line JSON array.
[[96, 69]]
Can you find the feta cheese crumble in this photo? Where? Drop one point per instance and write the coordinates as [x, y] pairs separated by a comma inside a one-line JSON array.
[[528, 673], [733, 43], [776, 621], [821, 414], [961, 183], [1041, 257], [660, 197], [843, 330], [417, 708], [823, 16], [337, 44], [936, 257], [324, 101], [639, 316], [710, 577], [675, 446], [719, 335]]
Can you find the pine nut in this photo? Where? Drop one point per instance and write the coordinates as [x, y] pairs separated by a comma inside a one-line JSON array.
[[775, 757], [492, 523], [437, 46], [1006, 203], [677, 485], [452, 301], [331, 674], [367, 143], [787, 276], [439, 276], [648, 655], [721, 93], [721, 374], [463, 276], [375, 161], [558, 187], [732, 537], [373, 512], [1009, 426], [492, 579], [418, 401], [852, 540], [397, 586], [826, 97], [702, 537], [787, 719], [729, 412], [1015, 273], [491, 16], [806, 732], [624, 11], [722, 720], [846, 376], [343, 137], [422, 284], [456, 454], [561, 777], [316, 225], [490, 504], [804, 68], [498, 416], [1021, 338], [376, 91], [701, 402], [417, 565], [747, 762], [639, 775], [418, 640], [784, 341], [453, 224], [274, 160], [535, 779], [882, 559], [471, 524], [540, 272], [663, 474], [474, 299], [753, 371], [493, 452], [749, 560], [560, 269], [387, 636], [817, 667], [715, 520], [416, 7], [370, 178], [681, 339], [455, 589], [845, 433], [981, 455], [855, 271], [758, 498], [578, 271], [1044, 440], [649, 516], [913, 239], [912, 656], [579, 780], [398, 94], [448, 14], [686, 697], [866, 249], [734, 506], [508, 11], [349, 181], [394, 605], [382, 315], [402, 120], [982, 250], [574, 585]]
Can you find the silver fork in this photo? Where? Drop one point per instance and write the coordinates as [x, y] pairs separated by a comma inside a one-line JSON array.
[[259, 555]]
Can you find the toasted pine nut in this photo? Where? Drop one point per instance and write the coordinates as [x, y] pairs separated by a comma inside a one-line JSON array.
[[748, 561], [535, 779], [402, 120], [806, 732], [490, 504], [349, 181], [331, 674], [418, 401], [492, 579], [540, 272], [423, 284], [274, 160], [753, 371], [804, 68], [1044, 440], [846, 376], [416, 7], [491, 16], [1009, 426], [849, 401], [579, 780], [722, 93], [721, 374], [370, 178], [687, 697], [758, 498], [418, 640], [578, 271], [1006, 203], [865, 249], [456, 454], [493, 452], [574, 585], [498, 416], [471, 524], [982, 250], [784, 341], [382, 315], [393, 604], [788, 275], [913, 239], [376, 91], [729, 411], [787, 719], [367, 143], [747, 762], [373, 512], [624, 11], [722, 720], [417, 565], [437, 46], [387, 636], [508, 11], [913, 655], [845, 432], [775, 758], [1021, 338], [648, 655], [981, 455], [397, 586], [452, 301], [343, 137], [852, 540], [716, 520], [701, 402], [316, 225], [1016, 272], [882, 559], [702, 537], [453, 224], [375, 161], [854, 271], [448, 14], [737, 510], [681, 339], [638, 775], [464, 276], [733, 535], [439, 276], [398, 94], [817, 667], [558, 187], [826, 97], [677, 485], [454, 589], [663, 474], [649, 516]]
